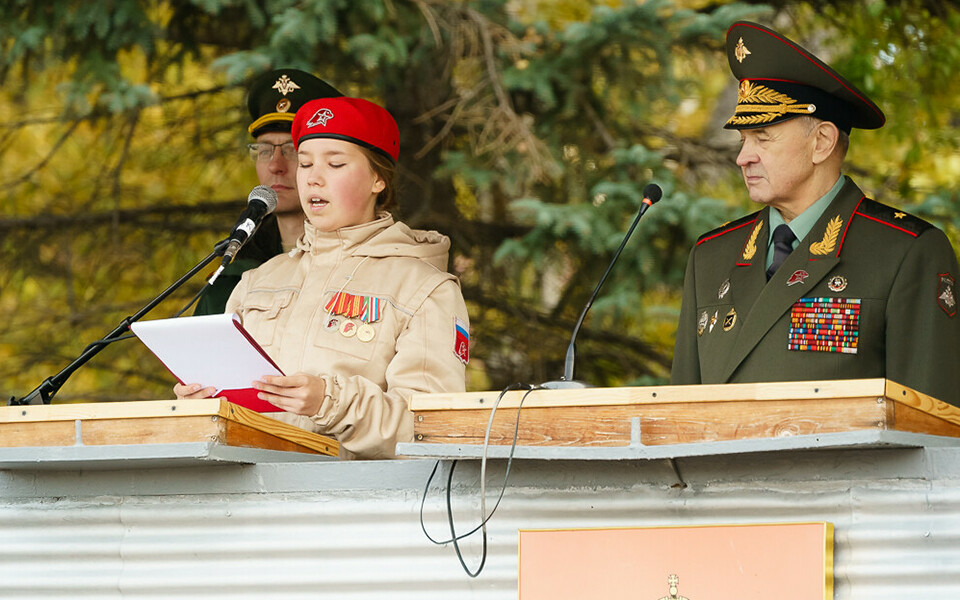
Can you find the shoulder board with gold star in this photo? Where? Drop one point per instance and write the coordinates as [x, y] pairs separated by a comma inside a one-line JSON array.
[[892, 217], [728, 228]]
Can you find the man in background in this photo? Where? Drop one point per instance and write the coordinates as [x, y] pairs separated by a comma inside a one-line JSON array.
[[273, 100]]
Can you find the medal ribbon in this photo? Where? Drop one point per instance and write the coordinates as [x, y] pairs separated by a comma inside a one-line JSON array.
[[368, 308]]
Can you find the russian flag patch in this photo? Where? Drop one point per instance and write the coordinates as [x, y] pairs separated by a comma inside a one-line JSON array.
[[461, 340]]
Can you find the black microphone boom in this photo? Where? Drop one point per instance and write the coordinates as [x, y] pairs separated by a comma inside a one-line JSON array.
[[651, 195], [261, 202]]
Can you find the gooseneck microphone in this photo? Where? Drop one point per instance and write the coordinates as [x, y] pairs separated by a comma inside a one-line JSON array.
[[261, 202], [651, 195]]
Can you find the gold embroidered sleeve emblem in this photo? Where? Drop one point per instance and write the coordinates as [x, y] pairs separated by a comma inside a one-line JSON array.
[[829, 242], [751, 248]]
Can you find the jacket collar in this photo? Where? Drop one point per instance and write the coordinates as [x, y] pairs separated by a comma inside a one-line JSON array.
[[345, 239]]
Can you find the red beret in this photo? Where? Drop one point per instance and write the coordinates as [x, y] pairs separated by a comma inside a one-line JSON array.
[[351, 119]]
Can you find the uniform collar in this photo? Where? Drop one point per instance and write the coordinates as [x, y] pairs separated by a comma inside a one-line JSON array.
[[804, 222], [347, 239]]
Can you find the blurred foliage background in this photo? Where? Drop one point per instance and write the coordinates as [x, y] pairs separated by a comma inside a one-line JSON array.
[[528, 128]]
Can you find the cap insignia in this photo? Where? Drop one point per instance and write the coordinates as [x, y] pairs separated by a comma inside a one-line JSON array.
[[751, 248], [320, 117], [283, 105], [765, 104], [740, 51], [899, 215], [829, 242], [285, 85]]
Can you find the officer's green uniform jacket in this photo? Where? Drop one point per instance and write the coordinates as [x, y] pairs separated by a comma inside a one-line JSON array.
[[871, 292], [264, 245]]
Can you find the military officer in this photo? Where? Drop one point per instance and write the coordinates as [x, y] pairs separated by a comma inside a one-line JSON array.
[[273, 100], [822, 282]]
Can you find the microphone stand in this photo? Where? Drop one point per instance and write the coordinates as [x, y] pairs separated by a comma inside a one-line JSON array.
[[567, 381], [45, 392]]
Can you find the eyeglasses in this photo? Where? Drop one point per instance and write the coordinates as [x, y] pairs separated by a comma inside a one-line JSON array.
[[265, 151]]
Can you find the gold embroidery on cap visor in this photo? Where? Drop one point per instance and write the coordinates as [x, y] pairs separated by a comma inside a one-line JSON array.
[[764, 105]]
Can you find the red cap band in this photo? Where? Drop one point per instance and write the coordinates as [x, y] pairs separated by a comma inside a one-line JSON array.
[[351, 119]]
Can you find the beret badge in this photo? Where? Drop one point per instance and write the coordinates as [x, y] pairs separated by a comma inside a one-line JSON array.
[[320, 117]]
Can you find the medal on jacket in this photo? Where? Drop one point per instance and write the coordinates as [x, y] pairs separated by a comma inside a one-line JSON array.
[[348, 329], [368, 309], [366, 332]]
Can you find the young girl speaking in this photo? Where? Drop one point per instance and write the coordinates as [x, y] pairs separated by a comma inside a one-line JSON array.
[[362, 313]]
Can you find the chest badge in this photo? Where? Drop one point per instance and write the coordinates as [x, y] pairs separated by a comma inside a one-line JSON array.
[[702, 323], [837, 283], [730, 320], [799, 276], [724, 288]]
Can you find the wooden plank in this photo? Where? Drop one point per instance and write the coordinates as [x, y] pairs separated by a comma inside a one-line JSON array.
[[789, 390], [152, 430], [29, 435], [110, 410], [155, 422], [666, 423], [901, 394], [908, 418]]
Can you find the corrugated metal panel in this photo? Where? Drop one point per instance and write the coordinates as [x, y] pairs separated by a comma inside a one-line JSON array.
[[897, 533]]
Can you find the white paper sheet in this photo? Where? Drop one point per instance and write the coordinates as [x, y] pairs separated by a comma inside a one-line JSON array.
[[212, 350]]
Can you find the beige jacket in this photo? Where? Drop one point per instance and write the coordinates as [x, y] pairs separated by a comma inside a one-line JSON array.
[[368, 383]]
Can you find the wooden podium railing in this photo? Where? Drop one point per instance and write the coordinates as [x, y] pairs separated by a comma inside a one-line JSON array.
[[154, 422], [598, 417]]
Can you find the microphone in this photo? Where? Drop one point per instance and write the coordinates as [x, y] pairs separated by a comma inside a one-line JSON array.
[[651, 195], [261, 202]]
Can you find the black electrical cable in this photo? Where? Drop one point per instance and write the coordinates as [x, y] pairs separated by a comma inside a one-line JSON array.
[[454, 538]]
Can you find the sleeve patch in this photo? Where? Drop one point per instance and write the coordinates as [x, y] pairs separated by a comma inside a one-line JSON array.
[[461, 340], [947, 294]]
